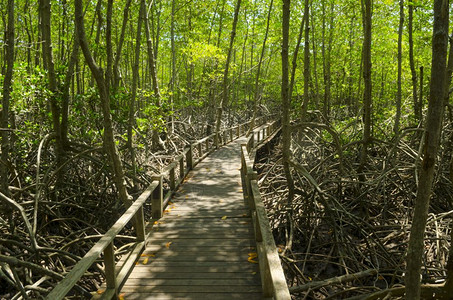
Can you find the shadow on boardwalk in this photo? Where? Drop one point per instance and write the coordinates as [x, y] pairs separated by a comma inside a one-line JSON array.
[[200, 248]]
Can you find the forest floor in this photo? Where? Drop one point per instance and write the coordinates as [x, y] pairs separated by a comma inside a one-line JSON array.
[[337, 225]]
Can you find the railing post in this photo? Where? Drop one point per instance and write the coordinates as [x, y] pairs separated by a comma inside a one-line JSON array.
[[109, 262], [207, 145], [172, 177], [189, 156], [238, 131], [181, 167], [200, 150], [157, 199], [140, 225]]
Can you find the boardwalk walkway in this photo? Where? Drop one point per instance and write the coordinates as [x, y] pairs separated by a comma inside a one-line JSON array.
[[201, 248]]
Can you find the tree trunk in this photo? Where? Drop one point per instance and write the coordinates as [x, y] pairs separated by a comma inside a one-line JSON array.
[[367, 91], [286, 129], [294, 60], [449, 267], [45, 10], [116, 73], [157, 143], [173, 64], [65, 93], [7, 86], [109, 141], [418, 117], [258, 71], [306, 60], [135, 74], [224, 102], [431, 146], [396, 127]]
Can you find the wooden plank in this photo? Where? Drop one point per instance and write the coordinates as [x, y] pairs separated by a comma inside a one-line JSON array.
[[193, 289], [195, 258], [204, 242], [234, 269], [167, 263], [206, 282], [194, 248], [194, 230], [194, 296], [152, 274]]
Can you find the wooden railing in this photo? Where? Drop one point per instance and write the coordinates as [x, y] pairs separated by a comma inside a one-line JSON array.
[[173, 175], [272, 276]]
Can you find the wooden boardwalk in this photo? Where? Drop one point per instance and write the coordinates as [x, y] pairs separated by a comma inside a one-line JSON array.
[[203, 246]]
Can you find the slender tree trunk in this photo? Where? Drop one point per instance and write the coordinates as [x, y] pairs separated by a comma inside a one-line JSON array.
[[431, 146], [315, 62], [257, 88], [420, 100], [286, 129], [135, 74], [119, 48], [294, 60], [109, 141], [396, 127], [306, 60], [65, 93], [224, 102], [157, 143], [173, 63], [45, 10], [449, 267], [412, 65], [367, 92], [326, 62], [7, 86]]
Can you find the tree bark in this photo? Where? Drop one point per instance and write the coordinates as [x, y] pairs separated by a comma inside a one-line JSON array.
[[173, 63], [119, 48], [367, 91], [157, 143], [109, 140], [286, 129], [135, 74], [417, 111], [306, 60], [45, 10], [258, 71], [396, 127], [7, 86], [431, 146], [224, 102]]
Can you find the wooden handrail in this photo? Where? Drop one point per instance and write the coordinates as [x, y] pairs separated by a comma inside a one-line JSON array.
[[115, 276], [272, 275]]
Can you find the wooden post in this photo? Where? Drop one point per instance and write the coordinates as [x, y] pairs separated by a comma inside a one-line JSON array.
[[181, 167], [207, 145], [109, 262], [200, 150], [172, 177], [238, 131], [251, 176], [140, 225], [224, 136], [189, 156], [157, 199], [231, 134], [216, 140]]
